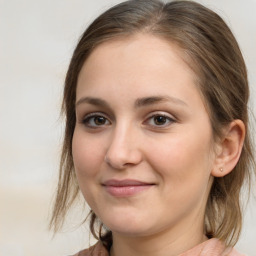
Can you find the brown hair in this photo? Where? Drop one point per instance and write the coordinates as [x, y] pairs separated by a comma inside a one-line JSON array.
[[215, 57]]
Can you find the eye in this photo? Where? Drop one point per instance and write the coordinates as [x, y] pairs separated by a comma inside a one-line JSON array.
[[160, 120], [95, 120]]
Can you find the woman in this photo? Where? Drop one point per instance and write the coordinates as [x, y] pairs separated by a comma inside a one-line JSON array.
[[157, 131]]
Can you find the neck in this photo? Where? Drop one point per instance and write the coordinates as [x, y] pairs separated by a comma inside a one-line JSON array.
[[170, 243]]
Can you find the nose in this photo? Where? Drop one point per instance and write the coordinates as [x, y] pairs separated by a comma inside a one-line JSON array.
[[124, 149]]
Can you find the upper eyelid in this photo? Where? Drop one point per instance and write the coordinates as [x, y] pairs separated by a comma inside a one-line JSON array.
[[150, 115], [161, 113], [92, 114], [170, 119]]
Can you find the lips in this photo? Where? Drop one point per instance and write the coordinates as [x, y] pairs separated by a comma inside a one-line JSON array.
[[125, 188]]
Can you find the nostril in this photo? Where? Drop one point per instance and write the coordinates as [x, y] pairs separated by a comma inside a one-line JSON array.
[[115, 162], [122, 151], [119, 160]]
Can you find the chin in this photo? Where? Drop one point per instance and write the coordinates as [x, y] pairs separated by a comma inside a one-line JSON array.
[[129, 227], [130, 232]]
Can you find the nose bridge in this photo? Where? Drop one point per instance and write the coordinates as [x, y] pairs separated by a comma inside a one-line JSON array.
[[123, 148]]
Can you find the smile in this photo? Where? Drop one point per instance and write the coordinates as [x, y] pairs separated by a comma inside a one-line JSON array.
[[125, 188]]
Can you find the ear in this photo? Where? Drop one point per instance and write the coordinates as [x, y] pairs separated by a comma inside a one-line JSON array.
[[229, 149]]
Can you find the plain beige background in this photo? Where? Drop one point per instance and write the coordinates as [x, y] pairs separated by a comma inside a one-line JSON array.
[[36, 42]]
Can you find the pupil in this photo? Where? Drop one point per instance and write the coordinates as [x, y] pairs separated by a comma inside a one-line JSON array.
[[160, 120], [99, 120]]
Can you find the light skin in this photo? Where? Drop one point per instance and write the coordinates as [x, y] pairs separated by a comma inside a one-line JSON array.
[[141, 117]]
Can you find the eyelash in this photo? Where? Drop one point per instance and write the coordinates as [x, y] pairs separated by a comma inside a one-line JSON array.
[[91, 117], [167, 118]]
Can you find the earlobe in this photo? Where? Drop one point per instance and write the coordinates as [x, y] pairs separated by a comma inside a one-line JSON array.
[[229, 149]]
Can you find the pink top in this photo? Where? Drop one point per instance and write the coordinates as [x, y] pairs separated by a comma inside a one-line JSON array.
[[211, 247]]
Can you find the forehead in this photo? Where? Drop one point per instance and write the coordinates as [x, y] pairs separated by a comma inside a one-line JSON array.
[[136, 56]]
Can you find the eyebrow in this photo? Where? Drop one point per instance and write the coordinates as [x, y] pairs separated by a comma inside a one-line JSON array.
[[141, 102], [93, 101], [146, 101]]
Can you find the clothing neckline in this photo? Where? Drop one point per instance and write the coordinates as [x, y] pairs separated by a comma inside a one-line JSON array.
[[210, 247]]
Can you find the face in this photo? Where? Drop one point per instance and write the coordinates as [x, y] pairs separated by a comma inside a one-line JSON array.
[[142, 145]]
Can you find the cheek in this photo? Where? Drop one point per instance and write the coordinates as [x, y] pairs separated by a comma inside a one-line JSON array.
[[184, 168], [183, 159], [87, 158], [87, 155]]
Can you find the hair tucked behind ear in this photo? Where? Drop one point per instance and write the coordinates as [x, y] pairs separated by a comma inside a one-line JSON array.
[[211, 50]]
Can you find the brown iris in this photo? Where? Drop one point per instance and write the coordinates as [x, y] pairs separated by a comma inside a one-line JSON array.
[[160, 120], [99, 120]]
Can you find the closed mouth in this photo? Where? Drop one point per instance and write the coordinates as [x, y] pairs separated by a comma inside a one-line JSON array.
[[124, 183], [125, 188]]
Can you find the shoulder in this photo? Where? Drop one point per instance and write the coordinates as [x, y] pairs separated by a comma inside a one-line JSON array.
[[233, 252], [212, 247], [216, 246], [96, 250]]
